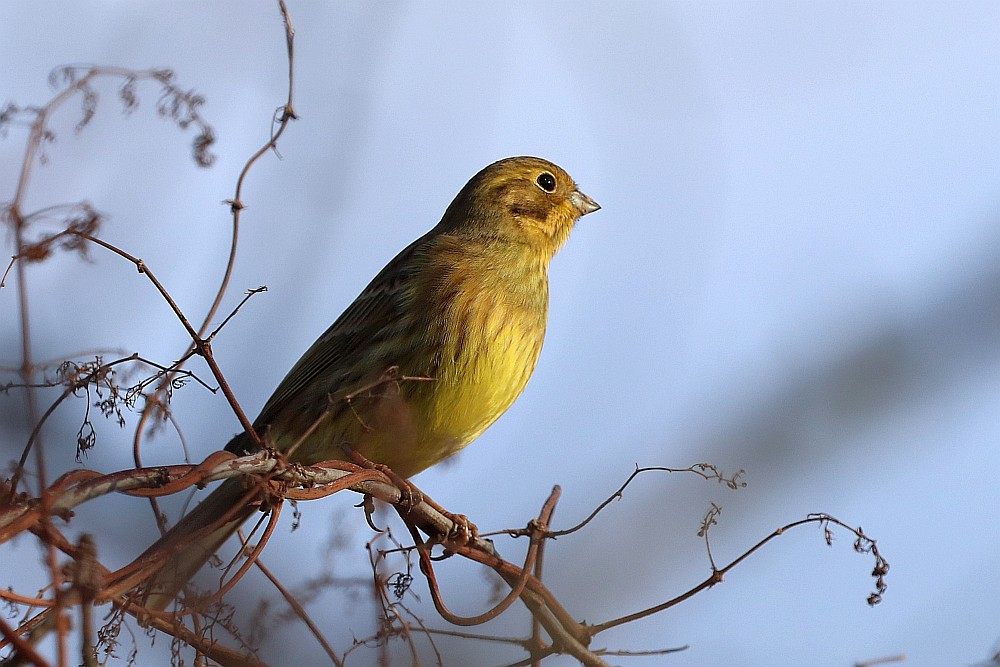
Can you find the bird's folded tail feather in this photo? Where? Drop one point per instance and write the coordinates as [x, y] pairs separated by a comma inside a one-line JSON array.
[[191, 543]]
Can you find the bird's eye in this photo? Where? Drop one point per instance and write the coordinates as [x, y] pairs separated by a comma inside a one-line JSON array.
[[546, 181]]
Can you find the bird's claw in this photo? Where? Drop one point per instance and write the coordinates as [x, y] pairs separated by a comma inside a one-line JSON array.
[[462, 532]]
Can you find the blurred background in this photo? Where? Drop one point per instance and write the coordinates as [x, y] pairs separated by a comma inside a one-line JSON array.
[[794, 273]]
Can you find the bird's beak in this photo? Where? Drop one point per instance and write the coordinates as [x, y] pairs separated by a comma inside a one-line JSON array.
[[583, 203]]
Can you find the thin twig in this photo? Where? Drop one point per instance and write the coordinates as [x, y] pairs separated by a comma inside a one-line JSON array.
[[202, 346], [863, 544], [703, 470], [300, 612], [22, 649]]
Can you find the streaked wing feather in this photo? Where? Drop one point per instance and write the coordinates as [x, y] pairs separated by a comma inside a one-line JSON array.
[[342, 347]]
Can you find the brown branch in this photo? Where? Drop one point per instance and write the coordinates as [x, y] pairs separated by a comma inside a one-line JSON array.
[[539, 530], [202, 346], [567, 635], [98, 373], [15, 598], [703, 470], [80, 486], [22, 649], [226, 657], [862, 544]]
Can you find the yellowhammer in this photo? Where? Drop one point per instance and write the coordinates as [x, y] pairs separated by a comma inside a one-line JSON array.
[[431, 353]]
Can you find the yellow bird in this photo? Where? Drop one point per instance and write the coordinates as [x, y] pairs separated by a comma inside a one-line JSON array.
[[433, 351]]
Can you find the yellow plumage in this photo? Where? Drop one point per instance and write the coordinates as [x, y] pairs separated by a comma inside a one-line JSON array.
[[433, 351]]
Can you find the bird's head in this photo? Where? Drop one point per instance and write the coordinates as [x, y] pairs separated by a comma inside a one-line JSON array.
[[522, 199]]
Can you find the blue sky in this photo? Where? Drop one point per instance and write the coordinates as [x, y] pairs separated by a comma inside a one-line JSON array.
[[794, 272]]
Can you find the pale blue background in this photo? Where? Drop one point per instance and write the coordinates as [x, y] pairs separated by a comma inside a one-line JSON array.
[[795, 272]]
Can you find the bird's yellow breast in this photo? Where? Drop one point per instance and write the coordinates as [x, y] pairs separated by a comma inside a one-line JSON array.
[[491, 333], [486, 367], [483, 339]]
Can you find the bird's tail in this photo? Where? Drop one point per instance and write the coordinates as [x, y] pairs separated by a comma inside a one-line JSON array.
[[181, 552]]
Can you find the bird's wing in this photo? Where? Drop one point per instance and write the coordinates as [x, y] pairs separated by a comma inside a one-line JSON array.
[[346, 354]]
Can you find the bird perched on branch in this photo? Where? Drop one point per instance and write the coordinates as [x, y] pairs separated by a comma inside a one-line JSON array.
[[432, 352]]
